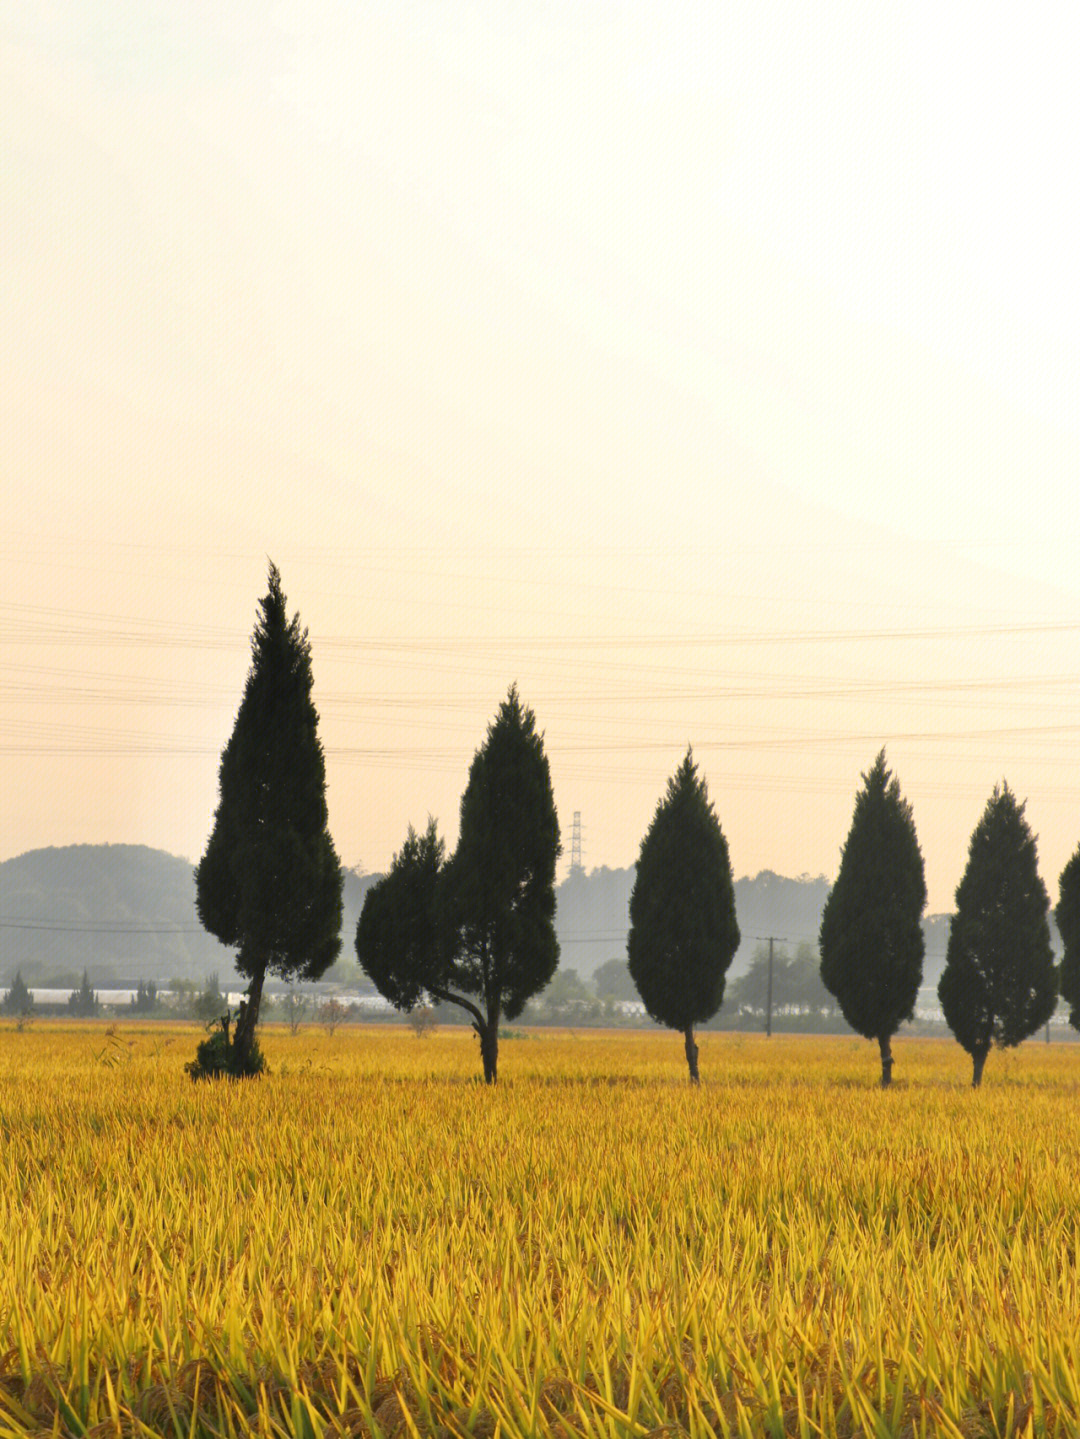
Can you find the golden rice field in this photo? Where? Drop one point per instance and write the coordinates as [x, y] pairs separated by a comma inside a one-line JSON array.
[[368, 1242]]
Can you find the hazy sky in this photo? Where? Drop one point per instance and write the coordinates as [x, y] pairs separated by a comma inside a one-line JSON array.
[[712, 371]]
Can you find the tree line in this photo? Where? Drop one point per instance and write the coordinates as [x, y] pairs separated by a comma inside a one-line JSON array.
[[475, 928]]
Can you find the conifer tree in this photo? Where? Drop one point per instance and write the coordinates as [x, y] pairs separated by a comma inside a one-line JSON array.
[[683, 930], [478, 930], [1067, 915], [999, 984], [871, 937], [83, 1001], [18, 1000], [401, 939], [270, 882]]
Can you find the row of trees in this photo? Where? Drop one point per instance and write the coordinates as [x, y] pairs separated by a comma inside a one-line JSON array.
[[19, 1002], [476, 929], [1000, 983]]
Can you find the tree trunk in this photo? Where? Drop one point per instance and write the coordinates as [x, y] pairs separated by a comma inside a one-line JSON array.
[[246, 1020], [691, 1054], [489, 1050], [978, 1059], [885, 1045], [487, 1029]]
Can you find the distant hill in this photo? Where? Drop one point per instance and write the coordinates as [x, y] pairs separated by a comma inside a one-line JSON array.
[[120, 911], [593, 914], [123, 912]]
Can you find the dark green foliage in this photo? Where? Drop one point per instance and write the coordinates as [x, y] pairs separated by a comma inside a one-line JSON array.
[[218, 1058], [400, 939], [683, 930], [83, 1002], [871, 937], [999, 984], [18, 1000], [1067, 915], [145, 998], [270, 881], [501, 879], [477, 931]]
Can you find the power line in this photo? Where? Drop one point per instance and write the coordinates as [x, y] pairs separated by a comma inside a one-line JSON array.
[[105, 927]]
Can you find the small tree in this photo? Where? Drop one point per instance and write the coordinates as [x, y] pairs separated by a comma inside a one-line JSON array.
[[566, 1000], [209, 1004], [871, 937], [999, 984], [18, 1001], [295, 1008], [145, 998], [1067, 915], [613, 981], [330, 1014], [270, 881], [423, 1021], [83, 1002], [683, 930], [477, 931]]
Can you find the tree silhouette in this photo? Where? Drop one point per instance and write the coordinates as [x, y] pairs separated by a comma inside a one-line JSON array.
[[270, 881], [871, 938], [683, 930], [18, 1000], [999, 984], [478, 930], [83, 1002], [1067, 915]]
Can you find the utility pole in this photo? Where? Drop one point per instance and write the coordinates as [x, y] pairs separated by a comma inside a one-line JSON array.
[[769, 939]]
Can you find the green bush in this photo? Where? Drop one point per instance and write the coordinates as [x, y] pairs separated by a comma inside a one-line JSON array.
[[216, 1058]]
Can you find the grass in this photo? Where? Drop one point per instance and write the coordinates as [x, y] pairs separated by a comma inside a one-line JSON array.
[[369, 1242]]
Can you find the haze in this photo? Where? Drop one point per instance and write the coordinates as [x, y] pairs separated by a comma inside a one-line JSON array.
[[712, 372]]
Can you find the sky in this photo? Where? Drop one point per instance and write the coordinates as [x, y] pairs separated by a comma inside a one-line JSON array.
[[709, 371]]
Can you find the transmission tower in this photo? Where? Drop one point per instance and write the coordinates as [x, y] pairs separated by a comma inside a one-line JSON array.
[[575, 843]]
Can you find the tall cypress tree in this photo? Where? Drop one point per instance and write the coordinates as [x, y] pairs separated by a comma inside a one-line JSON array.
[[871, 938], [1067, 915], [683, 930], [999, 984], [477, 931], [270, 881], [499, 886]]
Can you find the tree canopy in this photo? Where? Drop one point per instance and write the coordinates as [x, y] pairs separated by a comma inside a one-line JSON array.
[[270, 882], [1067, 915], [871, 937], [83, 1001], [18, 1000], [401, 940], [683, 930], [999, 984], [477, 930]]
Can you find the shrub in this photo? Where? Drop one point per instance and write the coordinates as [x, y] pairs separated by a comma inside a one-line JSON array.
[[217, 1057]]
